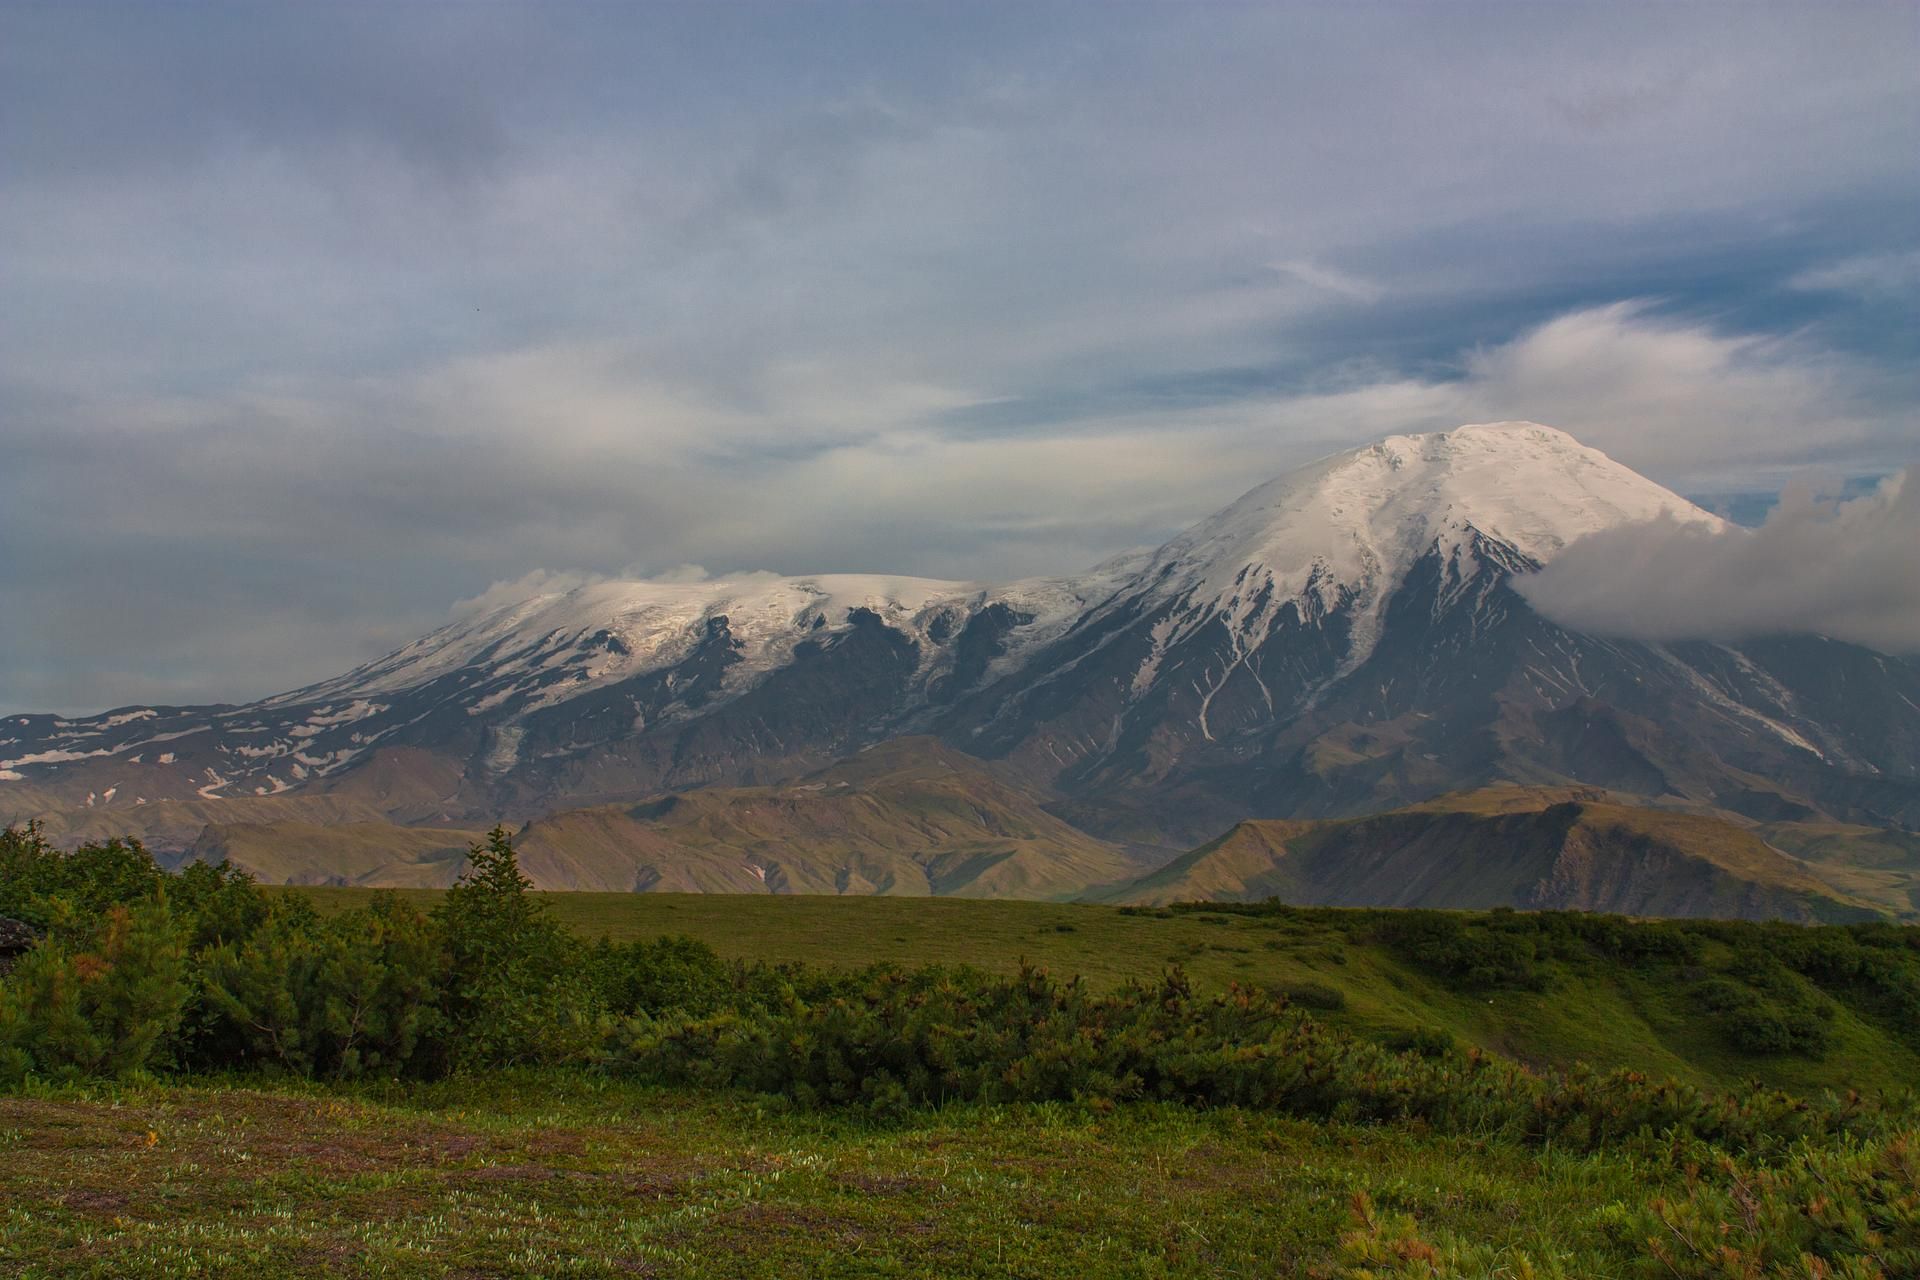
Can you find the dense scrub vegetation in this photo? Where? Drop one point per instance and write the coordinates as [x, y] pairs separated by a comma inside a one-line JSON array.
[[203, 973], [1768, 988]]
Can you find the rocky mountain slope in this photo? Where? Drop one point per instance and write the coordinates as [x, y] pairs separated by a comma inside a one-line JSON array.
[[1351, 638], [913, 817], [1345, 639], [907, 818], [1524, 847]]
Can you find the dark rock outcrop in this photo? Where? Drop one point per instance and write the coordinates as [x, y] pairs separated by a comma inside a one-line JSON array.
[[16, 938]]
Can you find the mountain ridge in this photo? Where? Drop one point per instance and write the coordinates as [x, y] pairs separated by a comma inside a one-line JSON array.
[[1526, 847], [1345, 639], [916, 818]]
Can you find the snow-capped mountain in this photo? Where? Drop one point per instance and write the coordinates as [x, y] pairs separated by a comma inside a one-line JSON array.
[[1320, 553], [1344, 533], [1349, 637], [1343, 638]]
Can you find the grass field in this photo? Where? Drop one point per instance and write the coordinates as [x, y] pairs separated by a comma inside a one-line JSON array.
[[558, 1176], [1611, 1016]]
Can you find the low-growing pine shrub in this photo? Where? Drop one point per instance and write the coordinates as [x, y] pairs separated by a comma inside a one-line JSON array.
[[107, 1005], [355, 995], [1427, 1042], [1848, 1210], [663, 974], [1468, 956]]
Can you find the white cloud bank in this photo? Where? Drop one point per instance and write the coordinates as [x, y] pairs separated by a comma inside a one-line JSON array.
[[422, 487], [1849, 570]]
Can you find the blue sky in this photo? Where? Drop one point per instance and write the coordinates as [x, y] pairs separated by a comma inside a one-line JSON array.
[[322, 317]]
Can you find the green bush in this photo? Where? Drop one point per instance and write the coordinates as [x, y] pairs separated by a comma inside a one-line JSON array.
[[933, 1036], [1427, 1042], [352, 996], [1471, 956], [67, 893], [216, 904], [106, 1006], [653, 977], [1850, 1211], [1762, 1007], [1391, 1246], [516, 988], [1313, 995]]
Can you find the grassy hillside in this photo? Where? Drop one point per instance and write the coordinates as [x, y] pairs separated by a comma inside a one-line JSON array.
[[199, 1078], [915, 818], [1591, 1008], [367, 853], [1870, 863], [1510, 846], [172, 826], [910, 818]]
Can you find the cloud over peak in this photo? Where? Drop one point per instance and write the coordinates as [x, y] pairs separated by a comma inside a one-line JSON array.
[[1849, 570]]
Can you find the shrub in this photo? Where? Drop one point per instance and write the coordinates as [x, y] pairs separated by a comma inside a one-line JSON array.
[[1314, 995], [67, 893], [1763, 1008], [1848, 1211], [343, 998], [216, 903], [107, 1006], [516, 988], [664, 974], [1385, 1246], [1499, 952], [1427, 1042]]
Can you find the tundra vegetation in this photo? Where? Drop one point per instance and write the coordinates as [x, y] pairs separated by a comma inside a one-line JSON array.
[[201, 1077]]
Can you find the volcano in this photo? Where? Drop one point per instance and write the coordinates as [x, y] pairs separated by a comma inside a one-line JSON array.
[[1348, 638]]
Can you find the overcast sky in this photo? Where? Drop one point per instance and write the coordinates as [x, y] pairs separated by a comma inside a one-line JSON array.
[[320, 318]]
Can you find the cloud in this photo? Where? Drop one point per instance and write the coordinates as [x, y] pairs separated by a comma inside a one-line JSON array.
[[1873, 275], [265, 539], [537, 582], [1334, 281], [323, 317], [558, 582], [684, 573], [1687, 400], [1847, 570]]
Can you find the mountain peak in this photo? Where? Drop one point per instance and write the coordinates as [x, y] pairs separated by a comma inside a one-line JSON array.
[[1363, 516], [1342, 532]]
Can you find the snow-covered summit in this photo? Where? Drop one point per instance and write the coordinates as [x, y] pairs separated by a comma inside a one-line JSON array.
[[605, 631], [1344, 531], [1338, 533], [633, 625]]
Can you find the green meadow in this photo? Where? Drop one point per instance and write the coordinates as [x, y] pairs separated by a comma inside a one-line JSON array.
[[551, 1175]]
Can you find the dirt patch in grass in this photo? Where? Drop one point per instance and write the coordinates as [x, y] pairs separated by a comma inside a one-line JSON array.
[[95, 1200], [869, 1184], [321, 1260], [818, 1226]]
